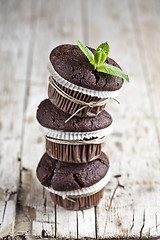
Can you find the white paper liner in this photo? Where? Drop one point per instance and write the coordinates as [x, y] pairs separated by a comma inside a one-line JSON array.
[[75, 135], [91, 92], [88, 190]]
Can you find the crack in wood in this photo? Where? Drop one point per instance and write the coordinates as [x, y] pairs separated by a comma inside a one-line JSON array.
[[44, 204], [114, 192], [156, 222], [43, 192], [7, 196], [24, 169], [132, 222], [4, 210], [25, 214], [141, 230], [117, 176], [19, 159]]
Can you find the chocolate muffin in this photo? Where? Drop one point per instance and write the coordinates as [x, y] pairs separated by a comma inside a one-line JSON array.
[[51, 117], [68, 106], [71, 64], [80, 203], [63, 176]]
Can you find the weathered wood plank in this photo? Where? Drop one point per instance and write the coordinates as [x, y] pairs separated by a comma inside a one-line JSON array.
[[147, 25], [86, 223], [11, 125], [15, 43], [149, 35], [31, 195], [129, 212], [66, 223], [15, 39], [11, 112], [130, 205], [8, 221], [56, 30], [56, 25], [146, 21]]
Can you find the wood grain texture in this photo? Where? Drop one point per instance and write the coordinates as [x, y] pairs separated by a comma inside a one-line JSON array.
[[56, 24], [130, 214], [28, 31]]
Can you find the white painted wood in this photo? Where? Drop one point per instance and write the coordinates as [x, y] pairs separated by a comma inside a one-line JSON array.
[[33, 197], [14, 51], [2, 206], [11, 112], [47, 229], [86, 223], [33, 142], [7, 227], [66, 222]]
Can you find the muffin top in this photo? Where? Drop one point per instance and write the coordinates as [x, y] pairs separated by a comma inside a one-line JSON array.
[[71, 64], [50, 116], [63, 176]]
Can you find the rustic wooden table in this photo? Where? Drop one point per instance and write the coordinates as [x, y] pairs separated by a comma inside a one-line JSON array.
[[28, 31]]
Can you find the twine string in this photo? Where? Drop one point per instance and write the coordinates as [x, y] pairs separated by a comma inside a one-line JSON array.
[[91, 104], [69, 197], [77, 142]]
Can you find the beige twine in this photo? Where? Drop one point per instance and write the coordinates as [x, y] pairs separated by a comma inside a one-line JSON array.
[[92, 104], [69, 197], [77, 142]]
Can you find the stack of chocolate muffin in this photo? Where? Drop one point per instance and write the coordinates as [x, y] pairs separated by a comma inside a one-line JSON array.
[[74, 122]]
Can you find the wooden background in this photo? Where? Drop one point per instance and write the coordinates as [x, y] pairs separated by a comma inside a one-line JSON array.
[[28, 32]]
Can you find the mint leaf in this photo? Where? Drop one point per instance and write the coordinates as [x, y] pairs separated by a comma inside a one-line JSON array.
[[86, 51], [101, 54], [106, 68], [105, 47], [97, 60]]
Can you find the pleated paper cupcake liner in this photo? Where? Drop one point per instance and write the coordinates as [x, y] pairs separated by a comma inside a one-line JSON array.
[[78, 204], [73, 153], [70, 107], [75, 135], [93, 93]]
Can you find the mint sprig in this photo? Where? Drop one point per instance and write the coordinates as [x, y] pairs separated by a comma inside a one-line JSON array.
[[86, 51], [98, 59], [101, 54], [107, 68]]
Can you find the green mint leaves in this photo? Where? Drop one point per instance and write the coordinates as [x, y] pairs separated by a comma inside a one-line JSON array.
[[86, 51], [98, 59], [101, 54], [106, 68]]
